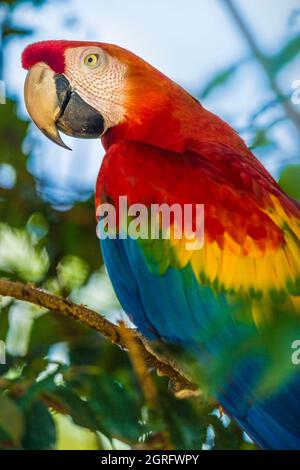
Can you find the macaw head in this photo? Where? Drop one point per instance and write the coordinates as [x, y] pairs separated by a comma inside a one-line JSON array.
[[83, 88]]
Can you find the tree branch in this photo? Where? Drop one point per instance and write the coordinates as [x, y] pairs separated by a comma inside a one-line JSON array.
[[180, 384], [264, 61], [140, 368]]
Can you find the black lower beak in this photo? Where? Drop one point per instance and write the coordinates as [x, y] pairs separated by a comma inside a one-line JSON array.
[[76, 117]]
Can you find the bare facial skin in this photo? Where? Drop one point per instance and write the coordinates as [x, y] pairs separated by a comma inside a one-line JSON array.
[[102, 85]]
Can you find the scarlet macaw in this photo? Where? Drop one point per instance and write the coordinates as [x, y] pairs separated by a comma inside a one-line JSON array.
[[234, 304]]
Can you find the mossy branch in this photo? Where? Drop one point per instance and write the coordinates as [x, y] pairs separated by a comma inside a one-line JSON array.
[[181, 385]]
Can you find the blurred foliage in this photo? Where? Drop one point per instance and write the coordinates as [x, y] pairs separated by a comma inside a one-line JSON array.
[[8, 27], [220, 79], [63, 386], [289, 180], [15, 3], [260, 135], [285, 55]]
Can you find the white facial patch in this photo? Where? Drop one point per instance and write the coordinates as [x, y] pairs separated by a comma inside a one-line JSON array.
[[102, 86]]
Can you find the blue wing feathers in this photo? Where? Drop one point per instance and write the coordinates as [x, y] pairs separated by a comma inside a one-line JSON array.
[[175, 308]]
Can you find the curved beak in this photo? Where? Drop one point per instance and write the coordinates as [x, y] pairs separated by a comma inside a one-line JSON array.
[[53, 105]]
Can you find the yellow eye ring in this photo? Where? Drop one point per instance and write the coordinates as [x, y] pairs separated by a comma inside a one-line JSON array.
[[91, 60]]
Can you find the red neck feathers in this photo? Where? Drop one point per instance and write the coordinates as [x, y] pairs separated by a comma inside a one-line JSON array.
[[161, 113]]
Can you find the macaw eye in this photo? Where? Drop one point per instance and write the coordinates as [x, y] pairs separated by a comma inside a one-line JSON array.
[[91, 60]]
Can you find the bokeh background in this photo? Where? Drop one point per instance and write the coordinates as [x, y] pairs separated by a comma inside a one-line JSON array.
[[64, 386]]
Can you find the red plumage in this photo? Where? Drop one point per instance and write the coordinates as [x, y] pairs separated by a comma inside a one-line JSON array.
[[149, 176]]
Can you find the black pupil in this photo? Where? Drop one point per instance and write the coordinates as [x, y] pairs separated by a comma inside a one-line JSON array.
[[90, 59]]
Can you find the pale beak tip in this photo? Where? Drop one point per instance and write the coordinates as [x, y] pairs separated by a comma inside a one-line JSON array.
[[56, 138], [64, 146]]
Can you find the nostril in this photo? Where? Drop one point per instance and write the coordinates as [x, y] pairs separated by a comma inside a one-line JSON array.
[[41, 77]]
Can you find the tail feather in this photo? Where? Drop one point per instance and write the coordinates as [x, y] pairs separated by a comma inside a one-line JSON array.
[[273, 422]]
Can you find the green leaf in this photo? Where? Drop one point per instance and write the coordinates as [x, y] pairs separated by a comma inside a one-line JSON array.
[[34, 367], [70, 436], [51, 328], [184, 420], [15, 3], [40, 428], [9, 362], [289, 180], [9, 30], [72, 272], [261, 139], [19, 256], [11, 419], [37, 226], [288, 53], [116, 408], [79, 409], [220, 79], [225, 438], [38, 388], [4, 323]]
